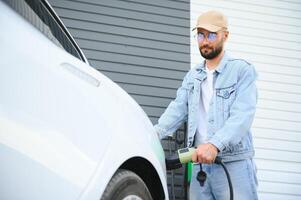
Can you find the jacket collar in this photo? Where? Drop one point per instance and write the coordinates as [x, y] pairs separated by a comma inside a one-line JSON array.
[[220, 67]]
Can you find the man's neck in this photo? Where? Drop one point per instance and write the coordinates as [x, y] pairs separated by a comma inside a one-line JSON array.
[[213, 63]]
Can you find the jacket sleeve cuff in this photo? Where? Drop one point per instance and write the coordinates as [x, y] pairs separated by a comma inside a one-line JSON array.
[[217, 143]]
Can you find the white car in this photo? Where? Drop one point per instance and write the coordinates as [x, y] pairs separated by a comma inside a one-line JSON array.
[[67, 131]]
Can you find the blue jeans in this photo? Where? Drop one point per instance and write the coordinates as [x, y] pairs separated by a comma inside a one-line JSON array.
[[243, 177]]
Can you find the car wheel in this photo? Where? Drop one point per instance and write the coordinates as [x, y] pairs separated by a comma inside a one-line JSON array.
[[126, 185]]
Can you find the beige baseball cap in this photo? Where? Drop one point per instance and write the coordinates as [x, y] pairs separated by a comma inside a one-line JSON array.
[[212, 21]]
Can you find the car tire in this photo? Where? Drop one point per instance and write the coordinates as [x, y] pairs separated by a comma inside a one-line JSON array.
[[126, 185]]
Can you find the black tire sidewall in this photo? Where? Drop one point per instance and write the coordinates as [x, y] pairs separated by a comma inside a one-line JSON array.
[[125, 183]]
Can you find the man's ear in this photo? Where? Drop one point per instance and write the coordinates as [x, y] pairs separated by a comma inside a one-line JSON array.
[[225, 35]]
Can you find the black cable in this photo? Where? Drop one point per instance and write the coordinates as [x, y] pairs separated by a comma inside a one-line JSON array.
[[219, 161]]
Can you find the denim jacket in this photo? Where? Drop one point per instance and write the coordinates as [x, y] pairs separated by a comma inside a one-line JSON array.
[[231, 110]]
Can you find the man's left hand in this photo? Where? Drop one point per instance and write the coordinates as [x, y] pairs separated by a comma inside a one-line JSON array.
[[205, 153]]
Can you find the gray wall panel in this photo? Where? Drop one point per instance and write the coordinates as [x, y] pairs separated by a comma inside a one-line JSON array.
[[131, 50], [141, 45], [143, 80], [115, 66], [123, 38], [122, 13], [145, 60], [122, 22], [137, 32]]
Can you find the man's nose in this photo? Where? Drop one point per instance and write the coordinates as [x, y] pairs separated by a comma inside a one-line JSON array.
[[205, 41]]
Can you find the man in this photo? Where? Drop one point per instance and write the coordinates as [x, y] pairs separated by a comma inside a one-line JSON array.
[[218, 100]]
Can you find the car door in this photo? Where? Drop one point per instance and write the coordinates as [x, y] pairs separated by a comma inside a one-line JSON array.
[[47, 104]]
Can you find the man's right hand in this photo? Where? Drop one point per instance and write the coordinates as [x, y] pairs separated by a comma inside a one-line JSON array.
[[205, 153]]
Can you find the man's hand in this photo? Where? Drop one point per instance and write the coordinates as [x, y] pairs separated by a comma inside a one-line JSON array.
[[205, 153]]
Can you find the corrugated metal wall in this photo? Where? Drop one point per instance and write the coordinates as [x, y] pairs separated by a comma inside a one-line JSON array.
[[141, 45], [268, 34]]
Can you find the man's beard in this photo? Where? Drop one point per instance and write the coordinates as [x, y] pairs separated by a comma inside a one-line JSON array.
[[214, 53]]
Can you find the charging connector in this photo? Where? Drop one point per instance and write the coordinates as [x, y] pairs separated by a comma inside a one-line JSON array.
[[184, 156]]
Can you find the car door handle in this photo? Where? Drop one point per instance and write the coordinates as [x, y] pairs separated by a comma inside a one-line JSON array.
[[80, 74]]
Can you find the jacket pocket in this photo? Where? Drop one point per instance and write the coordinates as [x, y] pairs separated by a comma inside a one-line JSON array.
[[225, 93], [225, 98]]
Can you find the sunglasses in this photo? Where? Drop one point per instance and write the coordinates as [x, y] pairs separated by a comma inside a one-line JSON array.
[[211, 36]]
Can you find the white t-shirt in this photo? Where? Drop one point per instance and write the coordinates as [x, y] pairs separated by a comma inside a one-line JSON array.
[[207, 92]]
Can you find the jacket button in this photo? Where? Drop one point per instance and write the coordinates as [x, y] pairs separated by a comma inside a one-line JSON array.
[[226, 94]]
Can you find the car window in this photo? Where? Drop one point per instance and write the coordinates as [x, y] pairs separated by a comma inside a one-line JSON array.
[[36, 12]]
